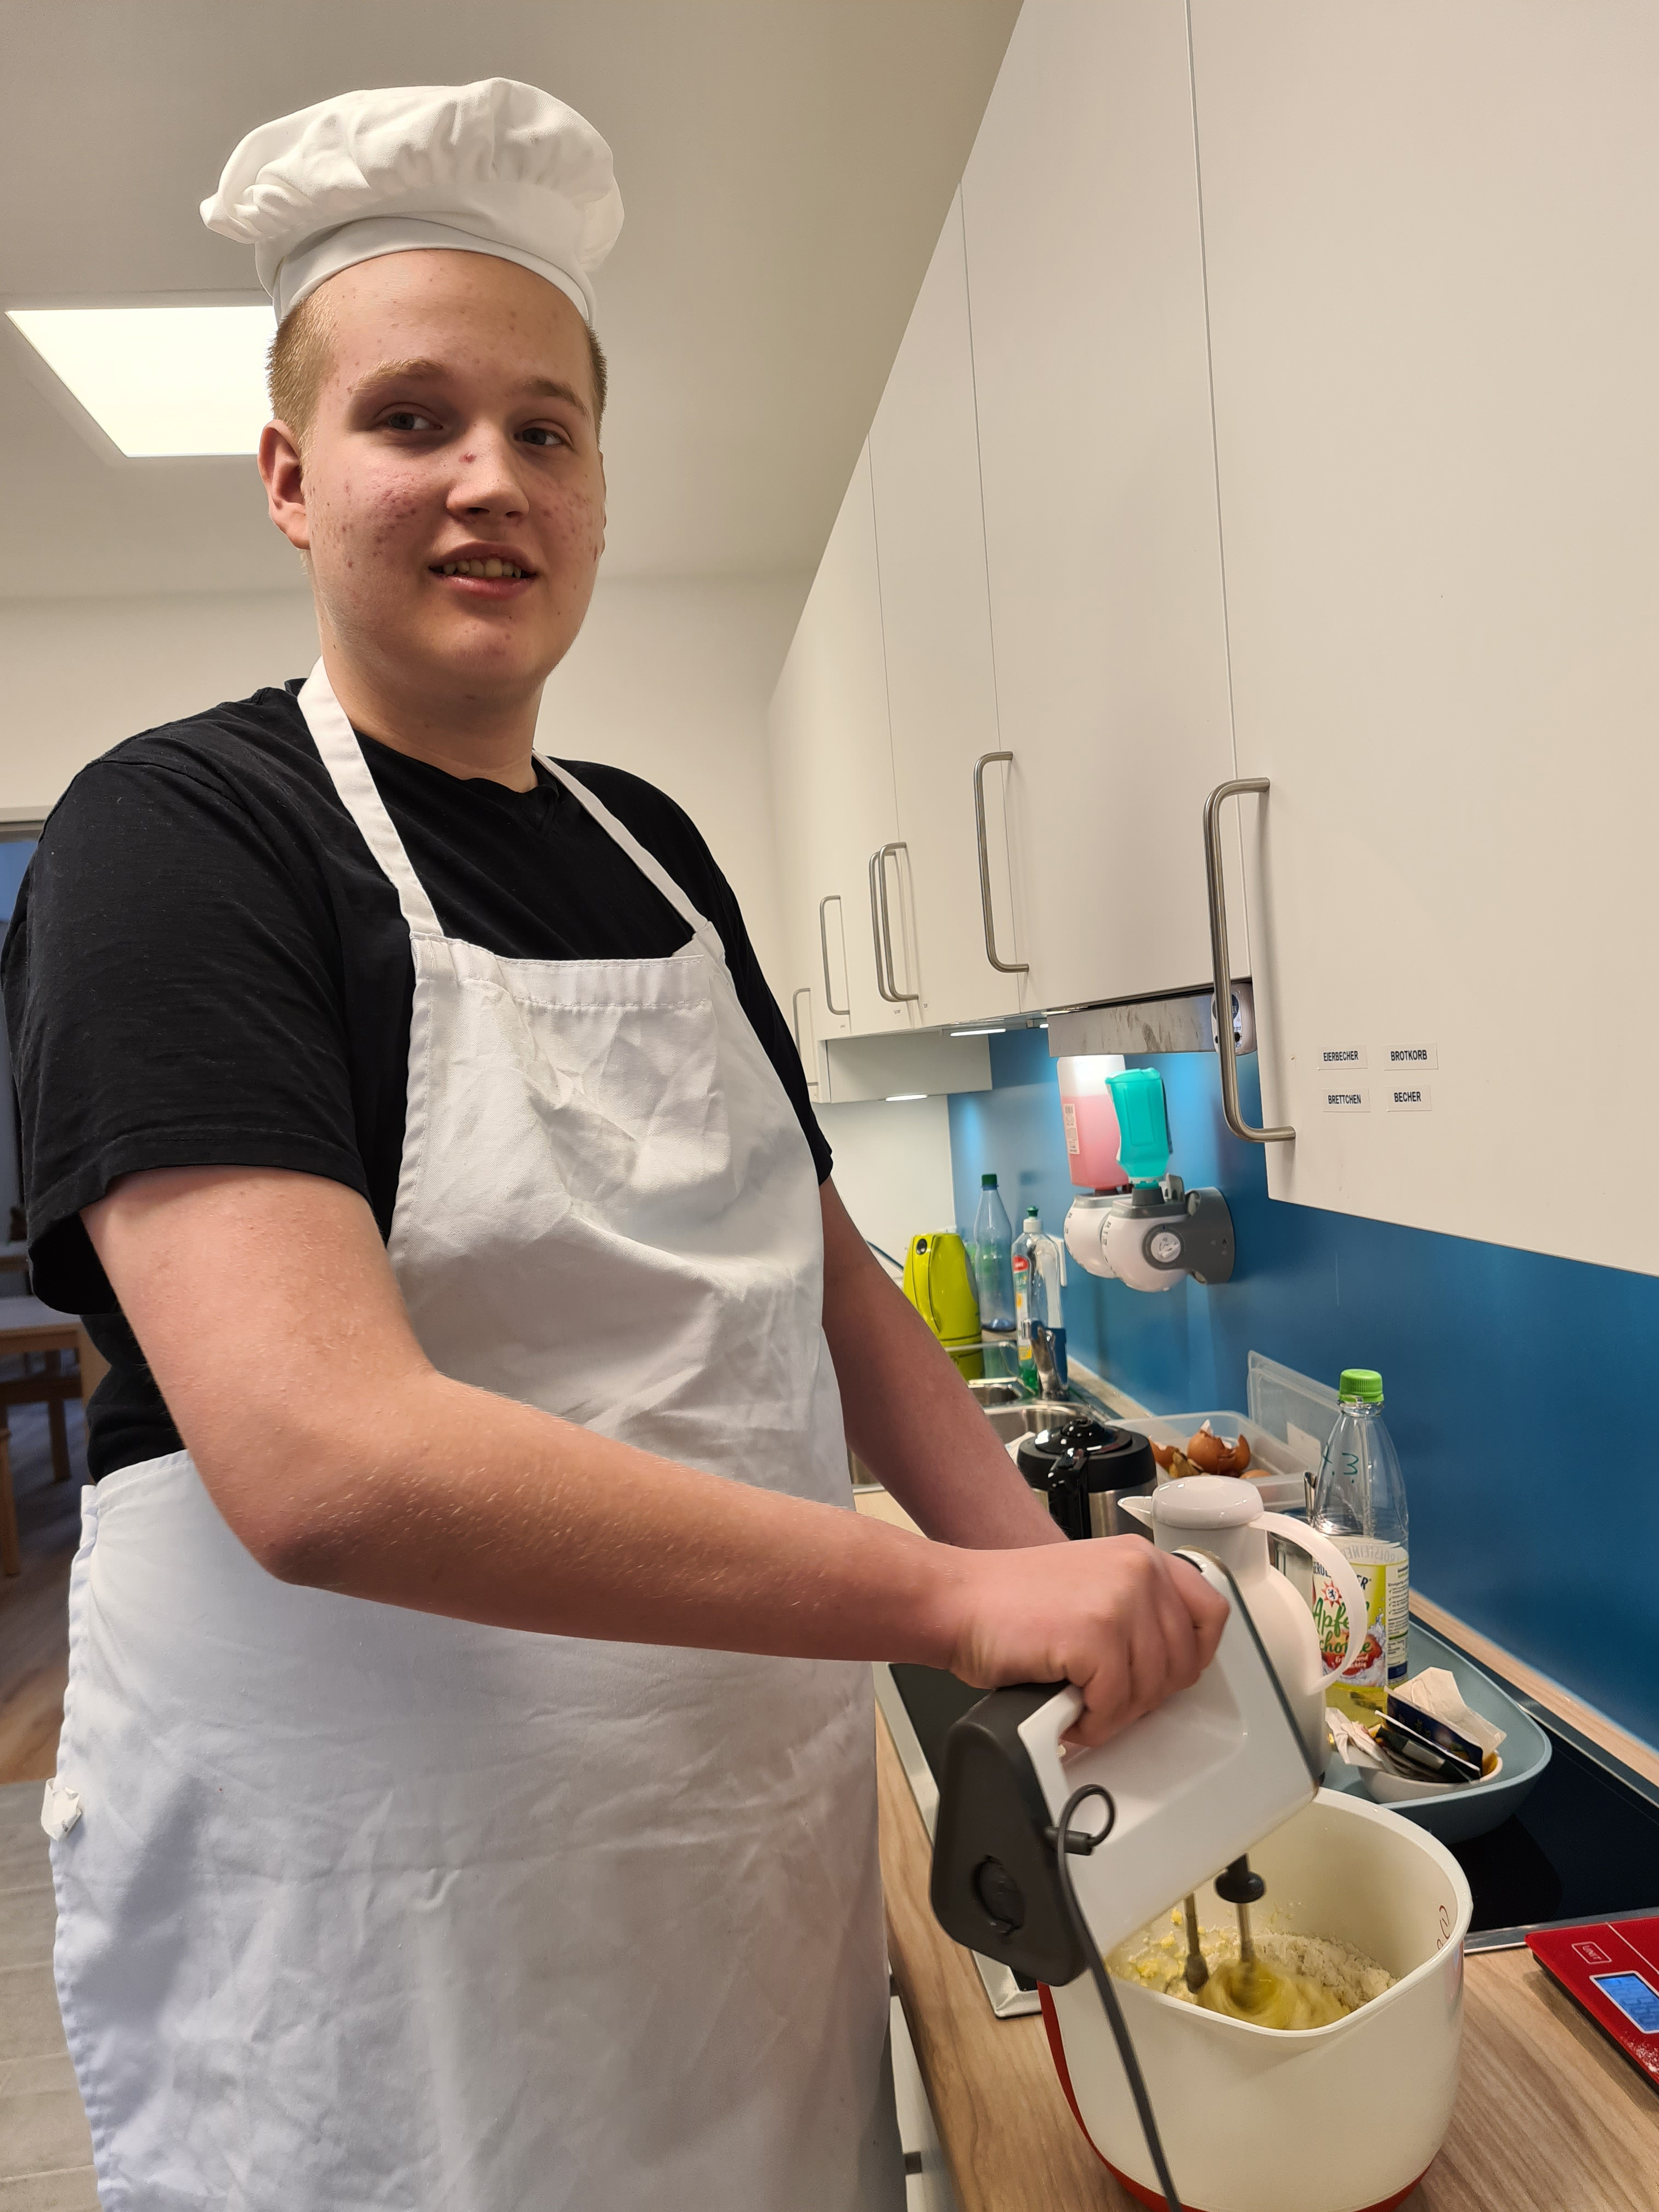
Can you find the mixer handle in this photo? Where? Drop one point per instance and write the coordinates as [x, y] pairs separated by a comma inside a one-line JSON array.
[[994, 1885], [996, 1882], [1324, 1553]]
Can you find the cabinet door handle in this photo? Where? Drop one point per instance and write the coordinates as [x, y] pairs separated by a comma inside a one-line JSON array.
[[890, 990], [824, 946], [1221, 962], [804, 992], [1003, 967], [875, 928], [900, 997]]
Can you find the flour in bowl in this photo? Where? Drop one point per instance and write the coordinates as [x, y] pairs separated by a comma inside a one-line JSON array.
[[1321, 1979]]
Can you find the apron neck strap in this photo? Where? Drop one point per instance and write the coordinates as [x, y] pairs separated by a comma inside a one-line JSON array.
[[343, 757], [644, 859]]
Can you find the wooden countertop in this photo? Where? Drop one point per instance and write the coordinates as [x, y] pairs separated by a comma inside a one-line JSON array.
[[1549, 2116]]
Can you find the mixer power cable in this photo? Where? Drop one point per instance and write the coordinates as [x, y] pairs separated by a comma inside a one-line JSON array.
[[1068, 1841]]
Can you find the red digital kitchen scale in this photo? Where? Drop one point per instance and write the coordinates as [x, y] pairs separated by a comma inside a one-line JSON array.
[[1612, 1969]]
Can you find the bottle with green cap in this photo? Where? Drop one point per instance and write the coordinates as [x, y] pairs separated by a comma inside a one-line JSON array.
[[1360, 1503], [993, 1263]]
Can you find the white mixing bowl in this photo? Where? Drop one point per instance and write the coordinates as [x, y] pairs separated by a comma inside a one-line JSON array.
[[1343, 2118]]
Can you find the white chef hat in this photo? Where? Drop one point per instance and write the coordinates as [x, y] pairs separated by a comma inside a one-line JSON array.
[[492, 167]]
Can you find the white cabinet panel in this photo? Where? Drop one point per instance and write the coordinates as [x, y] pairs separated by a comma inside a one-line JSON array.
[[833, 782], [1432, 240], [815, 952], [936, 619], [1086, 285]]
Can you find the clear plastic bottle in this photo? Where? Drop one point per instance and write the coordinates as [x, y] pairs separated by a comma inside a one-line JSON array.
[[1029, 1302], [1039, 1277], [994, 1267], [1360, 1502]]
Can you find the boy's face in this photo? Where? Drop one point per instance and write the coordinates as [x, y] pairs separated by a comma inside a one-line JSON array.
[[453, 426]]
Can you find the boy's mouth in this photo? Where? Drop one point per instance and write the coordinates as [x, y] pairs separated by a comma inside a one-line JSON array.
[[491, 570]]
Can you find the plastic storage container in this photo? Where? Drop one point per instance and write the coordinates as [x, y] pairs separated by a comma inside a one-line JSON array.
[[1292, 1407], [1475, 1809], [1275, 1469]]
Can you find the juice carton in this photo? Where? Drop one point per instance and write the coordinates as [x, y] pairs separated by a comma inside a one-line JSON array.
[[1362, 1688]]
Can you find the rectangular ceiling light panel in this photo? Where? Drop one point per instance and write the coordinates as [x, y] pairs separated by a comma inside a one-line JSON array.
[[161, 381]]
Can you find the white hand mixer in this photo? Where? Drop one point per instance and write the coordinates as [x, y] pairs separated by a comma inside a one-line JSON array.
[[1188, 1789]]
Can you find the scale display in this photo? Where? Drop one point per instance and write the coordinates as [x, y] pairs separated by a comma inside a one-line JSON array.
[[1636, 1999]]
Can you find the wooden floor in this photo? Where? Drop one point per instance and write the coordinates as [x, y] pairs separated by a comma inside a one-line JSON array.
[[33, 1630], [45, 2150]]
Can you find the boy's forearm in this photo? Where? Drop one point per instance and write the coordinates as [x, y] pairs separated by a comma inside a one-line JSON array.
[[454, 1501]]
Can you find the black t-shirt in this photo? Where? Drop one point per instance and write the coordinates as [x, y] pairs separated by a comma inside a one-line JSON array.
[[208, 968]]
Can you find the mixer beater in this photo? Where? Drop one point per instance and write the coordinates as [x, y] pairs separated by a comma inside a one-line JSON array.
[[1252, 1986]]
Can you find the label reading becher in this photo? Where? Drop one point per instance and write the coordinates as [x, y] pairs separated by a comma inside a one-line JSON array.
[[1405, 1098]]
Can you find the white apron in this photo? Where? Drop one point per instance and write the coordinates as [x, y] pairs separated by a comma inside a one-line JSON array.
[[365, 1907]]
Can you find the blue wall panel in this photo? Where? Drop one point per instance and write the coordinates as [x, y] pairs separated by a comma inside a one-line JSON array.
[[15, 853], [1517, 1386]]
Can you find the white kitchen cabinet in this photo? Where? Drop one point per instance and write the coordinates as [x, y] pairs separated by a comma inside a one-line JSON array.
[[1432, 244], [831, 755], [941, 674], [1085, 280]]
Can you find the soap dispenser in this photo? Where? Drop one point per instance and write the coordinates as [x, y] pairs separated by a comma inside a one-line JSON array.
[[1161, 1232], [1222, 1514]]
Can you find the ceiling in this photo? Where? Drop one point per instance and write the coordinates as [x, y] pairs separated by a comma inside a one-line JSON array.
[[786, 166]]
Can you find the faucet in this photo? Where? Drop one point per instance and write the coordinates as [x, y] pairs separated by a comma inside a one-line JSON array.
[[1043, 1351]]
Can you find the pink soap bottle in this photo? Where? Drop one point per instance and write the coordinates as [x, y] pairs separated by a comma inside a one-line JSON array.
[[1091, 1134]]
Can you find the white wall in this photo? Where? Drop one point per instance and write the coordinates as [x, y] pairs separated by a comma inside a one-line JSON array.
[[893, 1167], [670, 679], [81, 674]]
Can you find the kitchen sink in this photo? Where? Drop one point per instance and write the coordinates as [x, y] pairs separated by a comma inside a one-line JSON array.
[[1027, 1415], [1012, 1415]]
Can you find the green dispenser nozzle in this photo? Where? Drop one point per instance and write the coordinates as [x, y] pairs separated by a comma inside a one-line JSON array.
[[1143, 1128]]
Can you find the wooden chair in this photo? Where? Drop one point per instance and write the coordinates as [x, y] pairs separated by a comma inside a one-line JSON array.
[[31, 1330]]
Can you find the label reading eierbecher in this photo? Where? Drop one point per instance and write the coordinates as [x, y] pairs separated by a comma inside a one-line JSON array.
[[1339, 1059]]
